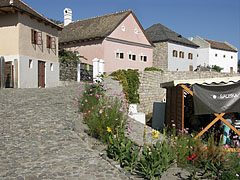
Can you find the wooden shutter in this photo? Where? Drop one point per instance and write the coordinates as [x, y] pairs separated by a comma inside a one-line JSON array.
[[53, 42], [39, 38]]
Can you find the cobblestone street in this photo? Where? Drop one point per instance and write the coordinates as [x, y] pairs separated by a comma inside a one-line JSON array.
[[38, 140]]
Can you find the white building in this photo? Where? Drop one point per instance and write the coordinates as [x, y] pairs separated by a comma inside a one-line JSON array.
[[217, 53], [172, 52]]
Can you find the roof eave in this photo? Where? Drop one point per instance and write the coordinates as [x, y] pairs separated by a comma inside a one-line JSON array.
[[80, 40], [13, 9]]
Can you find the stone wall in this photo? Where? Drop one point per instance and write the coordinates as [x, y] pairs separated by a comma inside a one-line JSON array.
[[68, 71], [160, 55], [150, 91]]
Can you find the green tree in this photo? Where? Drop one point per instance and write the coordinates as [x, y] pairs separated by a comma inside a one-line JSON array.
[[67, 55]]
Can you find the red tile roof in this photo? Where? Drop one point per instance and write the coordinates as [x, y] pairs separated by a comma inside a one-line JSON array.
[[220, 45]]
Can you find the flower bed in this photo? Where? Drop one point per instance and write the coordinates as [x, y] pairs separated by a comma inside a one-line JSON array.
[[108, 121]]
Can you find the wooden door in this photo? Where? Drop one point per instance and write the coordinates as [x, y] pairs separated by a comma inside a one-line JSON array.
[[41, 74], [231, 69]]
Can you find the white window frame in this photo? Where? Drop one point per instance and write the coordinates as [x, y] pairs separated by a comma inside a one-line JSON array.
[[132, 55], [118, 54], [30, 63], [141, 57], [51, 66]]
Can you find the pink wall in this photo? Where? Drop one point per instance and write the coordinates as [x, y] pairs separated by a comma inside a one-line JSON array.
[[129, 34], [89, 49], [113, 64]]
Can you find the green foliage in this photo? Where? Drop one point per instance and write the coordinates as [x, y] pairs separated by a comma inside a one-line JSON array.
[[123, 150], [130, 82], [56, 21], [217, 68], [66, 56], [101, 112], [183, 145], [154, 160], [152, 69]]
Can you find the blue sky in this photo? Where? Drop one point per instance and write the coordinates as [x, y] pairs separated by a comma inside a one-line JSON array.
[[211, 19]]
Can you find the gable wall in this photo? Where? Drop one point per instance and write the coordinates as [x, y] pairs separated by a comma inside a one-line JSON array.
[[129, 34], [224, 62]]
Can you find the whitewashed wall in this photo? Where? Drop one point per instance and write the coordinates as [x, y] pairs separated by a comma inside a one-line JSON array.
[[226, 62], [28, 77], [181, 64]]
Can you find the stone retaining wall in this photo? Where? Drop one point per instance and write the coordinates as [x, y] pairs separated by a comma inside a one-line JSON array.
[[150, 91], [68, 71]]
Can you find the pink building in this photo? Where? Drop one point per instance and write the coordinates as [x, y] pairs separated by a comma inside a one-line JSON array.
[[118, 39]]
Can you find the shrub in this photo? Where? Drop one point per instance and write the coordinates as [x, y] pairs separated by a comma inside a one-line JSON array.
[[130, 83], [101, 112], [152, 69]]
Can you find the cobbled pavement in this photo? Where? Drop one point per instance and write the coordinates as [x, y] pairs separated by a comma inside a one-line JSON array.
[[38, 139]]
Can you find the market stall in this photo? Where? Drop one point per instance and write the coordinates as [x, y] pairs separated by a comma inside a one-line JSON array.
[[216, 96]]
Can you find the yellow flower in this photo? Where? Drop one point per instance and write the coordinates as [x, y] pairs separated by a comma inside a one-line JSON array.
[[108, 129], [155, 134]]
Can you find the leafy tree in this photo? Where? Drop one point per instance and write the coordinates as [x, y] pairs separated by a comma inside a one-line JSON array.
[[67, 55]]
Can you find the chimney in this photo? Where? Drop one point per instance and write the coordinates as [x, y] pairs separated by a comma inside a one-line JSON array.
[[67, 16], [190, 38]]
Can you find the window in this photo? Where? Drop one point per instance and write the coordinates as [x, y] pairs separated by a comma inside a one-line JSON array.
[[51, 42], [231, 57], [30, 63], [175, 53], [143, 58], [131, 56], [224, 56], [136, 31], [215, 55], [181, 54], [134, 57], [51, 66], [119, 55], [123, 28], [190, 68], [36, 37], [190, 56]]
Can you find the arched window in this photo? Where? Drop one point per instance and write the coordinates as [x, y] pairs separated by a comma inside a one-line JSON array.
[[190, 56], [175, 53], [181, 54]]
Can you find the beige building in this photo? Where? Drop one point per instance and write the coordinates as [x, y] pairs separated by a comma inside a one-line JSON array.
[[29, 43]]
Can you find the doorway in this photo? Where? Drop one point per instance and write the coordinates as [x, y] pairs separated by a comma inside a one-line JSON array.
[[41, 74]]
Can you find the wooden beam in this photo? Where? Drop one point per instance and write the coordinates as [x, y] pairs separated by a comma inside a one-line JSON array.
[[229, 125], [210, 125], [3, 12], [187, 89], [182, 110], [231, 149]]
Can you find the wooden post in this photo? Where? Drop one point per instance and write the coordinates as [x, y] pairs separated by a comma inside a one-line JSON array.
[[210, 125], [182, 110]]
